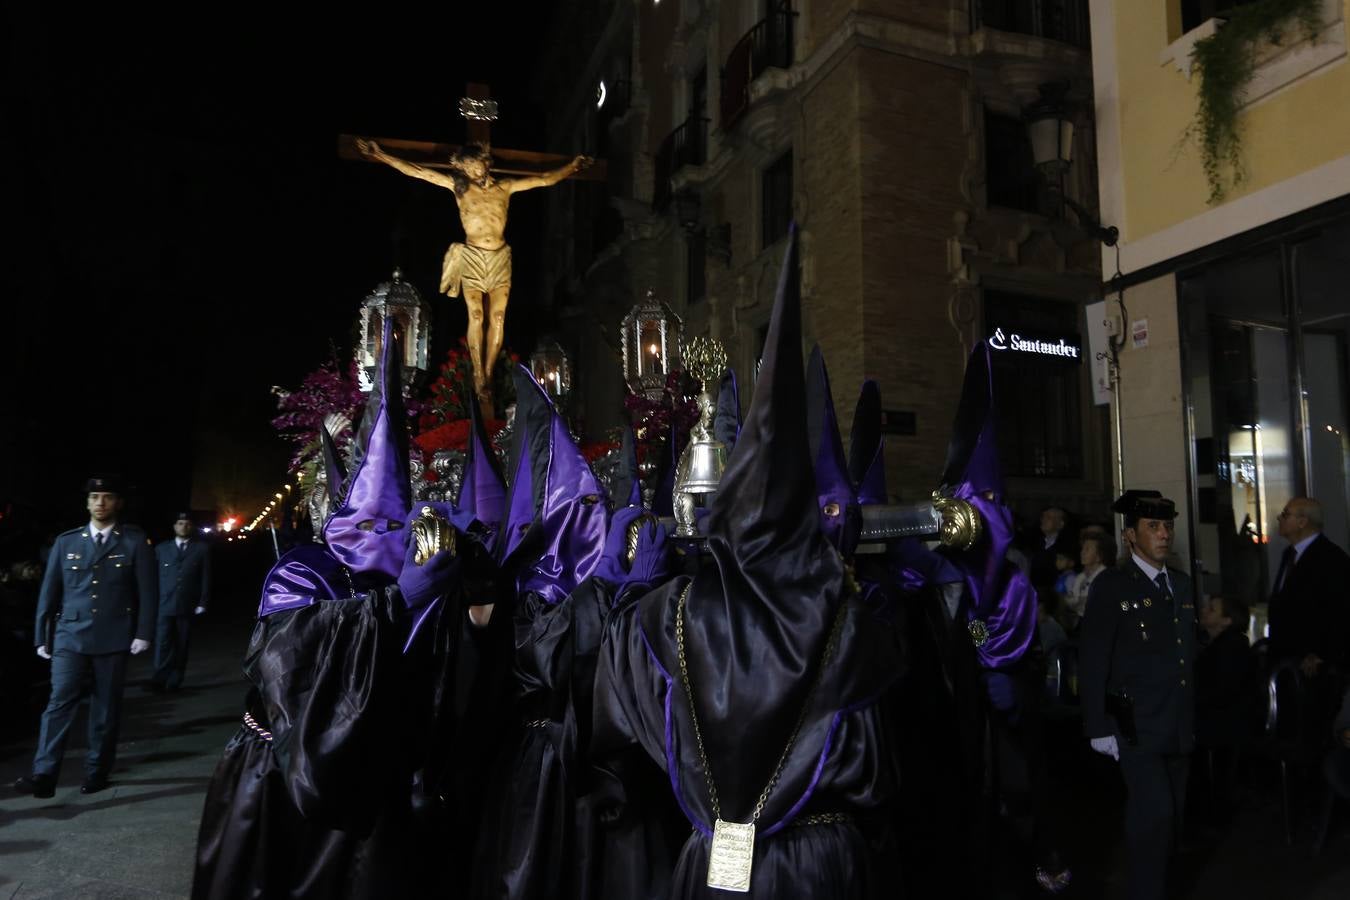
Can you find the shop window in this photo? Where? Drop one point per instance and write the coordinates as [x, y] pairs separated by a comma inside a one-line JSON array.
[[776, 199], [1039, 395]]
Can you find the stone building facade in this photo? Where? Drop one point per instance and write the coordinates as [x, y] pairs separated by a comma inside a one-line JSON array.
[[892, 133]]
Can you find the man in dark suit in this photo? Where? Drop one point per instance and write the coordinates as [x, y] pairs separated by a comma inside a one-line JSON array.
[[1309, 606], [97, 603], [184, 589], [1136, 662]]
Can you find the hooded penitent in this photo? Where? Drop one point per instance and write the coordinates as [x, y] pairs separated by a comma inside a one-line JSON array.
[[836, 495], [483, 491], [866, 457], [1002, 612], [556, 510], [757, 621], [365, 530]]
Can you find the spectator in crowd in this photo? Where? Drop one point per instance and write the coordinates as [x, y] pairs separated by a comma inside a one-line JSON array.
[[1309, 612], [1054, 538], [1337, 765], [1051, 633], [1097, 551], [1226, 685]]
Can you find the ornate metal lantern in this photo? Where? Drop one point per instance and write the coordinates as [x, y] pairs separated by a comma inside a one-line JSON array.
[[552, 369], [651, 346], [1050, 129], [398, 300]]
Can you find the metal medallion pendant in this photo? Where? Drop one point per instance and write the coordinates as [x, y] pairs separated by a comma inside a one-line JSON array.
[[731, 856]]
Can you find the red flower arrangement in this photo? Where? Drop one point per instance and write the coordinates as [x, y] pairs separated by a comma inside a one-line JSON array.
[[655, 420]]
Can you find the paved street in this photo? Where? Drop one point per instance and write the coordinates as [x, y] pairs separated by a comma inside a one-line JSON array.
[[136, 839]]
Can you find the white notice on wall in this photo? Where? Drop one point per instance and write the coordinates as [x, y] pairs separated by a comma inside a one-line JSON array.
[[1099, 337], [1139, 333]]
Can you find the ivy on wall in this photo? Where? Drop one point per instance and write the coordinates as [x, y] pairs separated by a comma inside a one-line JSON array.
[[1226, 62]]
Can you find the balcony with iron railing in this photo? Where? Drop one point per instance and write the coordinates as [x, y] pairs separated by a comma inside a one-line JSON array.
[[685, 146], [768, 45], [1065, 21]]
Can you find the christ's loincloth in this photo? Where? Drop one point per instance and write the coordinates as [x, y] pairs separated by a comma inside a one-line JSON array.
[[475, 268]]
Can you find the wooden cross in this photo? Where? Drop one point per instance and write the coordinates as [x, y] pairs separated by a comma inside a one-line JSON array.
[[437, 156]]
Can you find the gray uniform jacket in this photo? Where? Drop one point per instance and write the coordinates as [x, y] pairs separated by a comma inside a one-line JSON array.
[[98, 601], [184, 578]]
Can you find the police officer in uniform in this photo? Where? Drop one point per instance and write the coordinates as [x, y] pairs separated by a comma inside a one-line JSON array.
[[1136, 661], [98, 601], [184, 588]]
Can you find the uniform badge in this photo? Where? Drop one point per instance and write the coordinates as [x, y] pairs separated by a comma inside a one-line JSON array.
[[979, 632], [1148, 602], [72, 556], [1124, 606]]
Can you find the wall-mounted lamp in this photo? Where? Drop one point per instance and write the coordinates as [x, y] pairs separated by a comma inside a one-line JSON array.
[[1049, 123]]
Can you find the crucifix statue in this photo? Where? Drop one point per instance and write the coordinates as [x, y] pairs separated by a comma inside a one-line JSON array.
[[479, 268]]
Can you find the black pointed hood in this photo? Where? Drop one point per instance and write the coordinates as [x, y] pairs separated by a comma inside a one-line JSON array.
[[334, 471], [757, 619]]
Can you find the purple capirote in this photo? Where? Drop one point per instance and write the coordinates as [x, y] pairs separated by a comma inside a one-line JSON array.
[[365, 531], [1001, 594]]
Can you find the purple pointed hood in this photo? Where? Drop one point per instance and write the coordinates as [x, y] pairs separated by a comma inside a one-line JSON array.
[[866, 450], [1002, 597], [365, 530], [836, 505], [556, 509], [483, 491], [727, 421]]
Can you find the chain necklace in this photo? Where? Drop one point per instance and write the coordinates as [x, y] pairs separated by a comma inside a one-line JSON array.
[[733, 844]]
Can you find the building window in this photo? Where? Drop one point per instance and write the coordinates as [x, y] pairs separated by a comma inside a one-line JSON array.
[[696, 261], [776, 197], [1009, 168], [1195, 13], [1039, 395]]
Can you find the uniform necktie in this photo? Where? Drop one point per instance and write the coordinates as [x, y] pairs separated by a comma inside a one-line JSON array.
[[1161, 581], [1287, 560], [99, 540]]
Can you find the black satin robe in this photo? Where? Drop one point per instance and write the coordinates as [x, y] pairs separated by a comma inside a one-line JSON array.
[[840, 764], [560, 828], [325, 808]]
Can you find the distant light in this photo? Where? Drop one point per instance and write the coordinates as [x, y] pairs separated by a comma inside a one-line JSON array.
[[552, 376], [206, 529], [288, 487], [654, 349], [279, 495], [600, 94]]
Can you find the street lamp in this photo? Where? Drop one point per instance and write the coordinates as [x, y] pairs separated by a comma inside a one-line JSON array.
[[651, 346], [1049, 124]]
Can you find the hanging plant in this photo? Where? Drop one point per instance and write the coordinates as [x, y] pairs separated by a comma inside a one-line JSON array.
[[1226, 62]]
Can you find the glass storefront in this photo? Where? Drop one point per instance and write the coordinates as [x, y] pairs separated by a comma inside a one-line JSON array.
[[1265, 339]]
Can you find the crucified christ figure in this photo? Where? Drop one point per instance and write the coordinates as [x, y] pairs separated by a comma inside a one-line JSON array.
[[480, 267]]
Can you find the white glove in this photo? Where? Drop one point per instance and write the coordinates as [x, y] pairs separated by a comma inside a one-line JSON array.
[[199, 610], [43, 652], [139, 646], [1107, 746]]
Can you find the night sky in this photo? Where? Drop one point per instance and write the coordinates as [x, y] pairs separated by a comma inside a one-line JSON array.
[[182, 235]]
